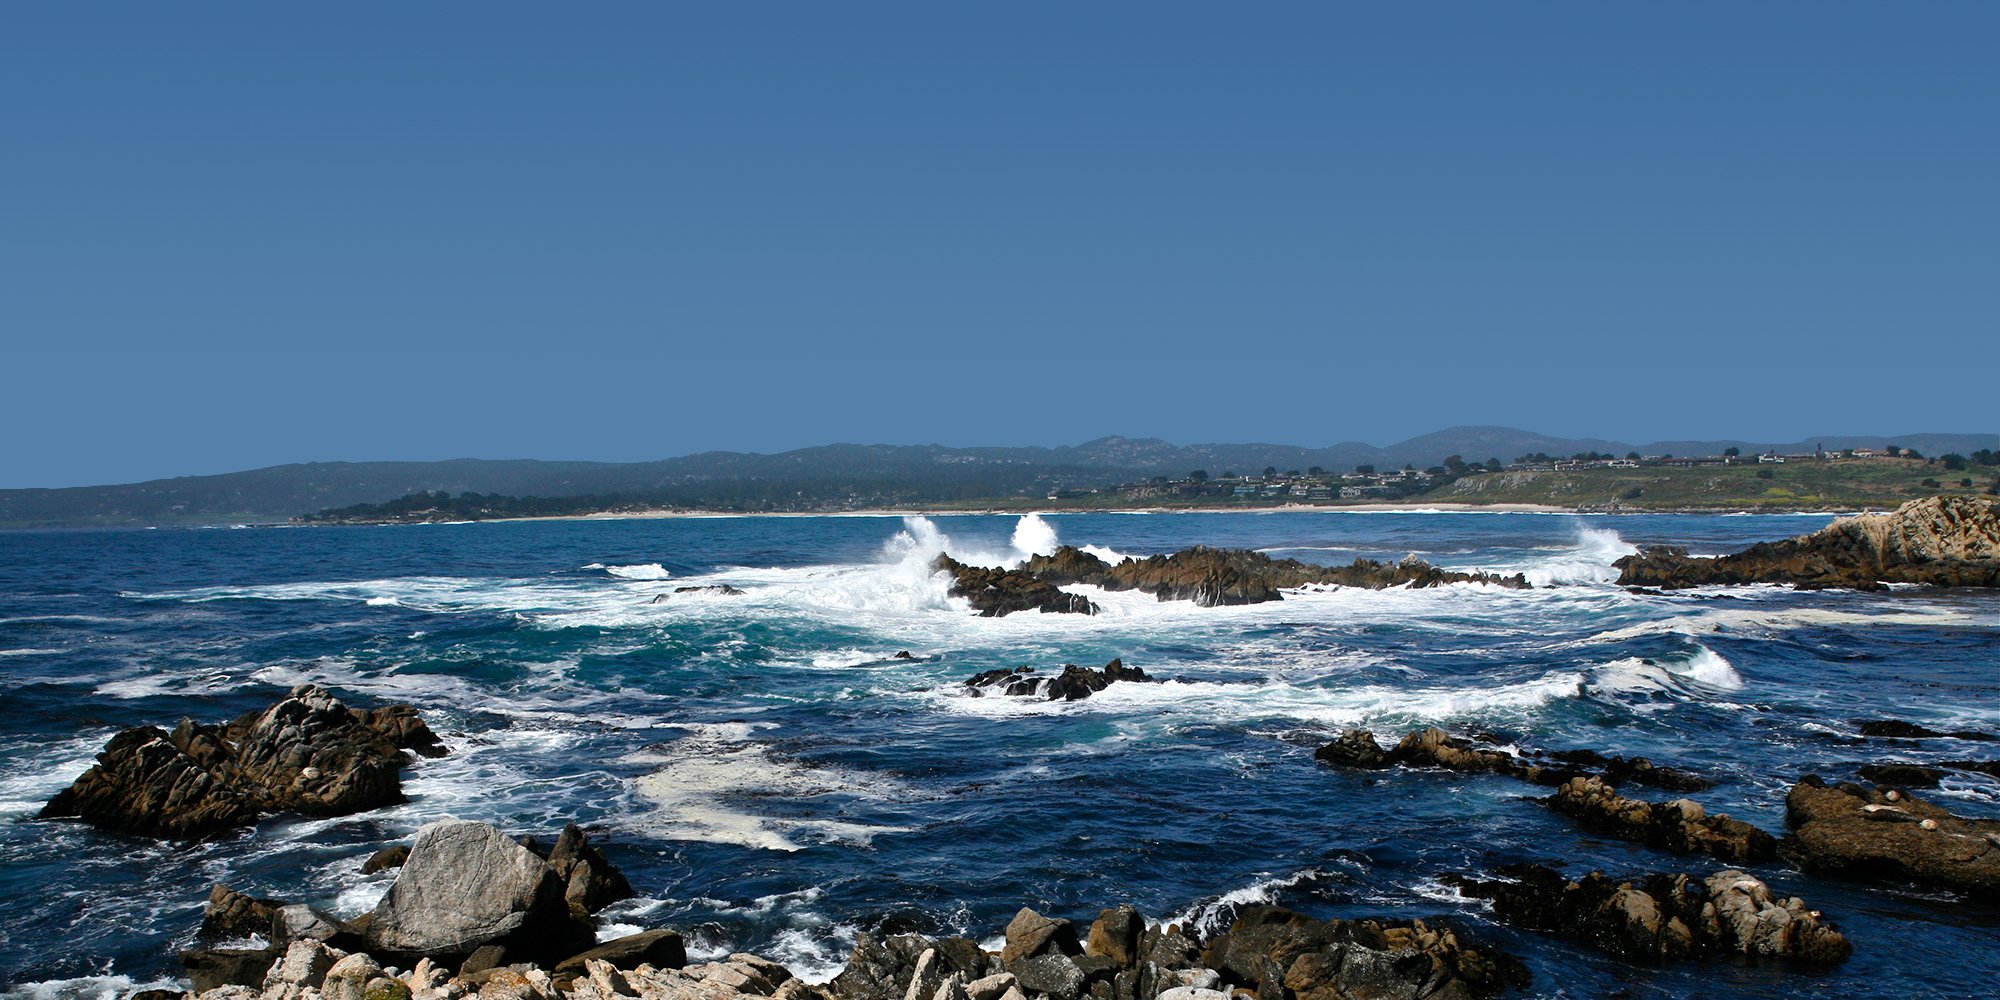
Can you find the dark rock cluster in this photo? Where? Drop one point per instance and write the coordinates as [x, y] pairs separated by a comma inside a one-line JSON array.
[[997, 592], [307, 754], [1207, 576], [1211, 577], [1950, 541], [1660, 918], [1072, 684]]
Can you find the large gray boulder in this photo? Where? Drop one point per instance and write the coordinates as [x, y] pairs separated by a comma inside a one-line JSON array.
[[466, 885]]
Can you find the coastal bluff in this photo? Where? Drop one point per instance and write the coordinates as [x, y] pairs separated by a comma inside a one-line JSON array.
[[1946, 541]]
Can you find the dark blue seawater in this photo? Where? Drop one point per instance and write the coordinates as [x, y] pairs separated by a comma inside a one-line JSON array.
[[771, 780]]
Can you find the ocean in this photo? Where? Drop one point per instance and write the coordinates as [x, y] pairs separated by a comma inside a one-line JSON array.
[[772, 778]]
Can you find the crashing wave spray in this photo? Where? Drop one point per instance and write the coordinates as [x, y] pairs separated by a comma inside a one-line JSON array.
[[1589, 562]]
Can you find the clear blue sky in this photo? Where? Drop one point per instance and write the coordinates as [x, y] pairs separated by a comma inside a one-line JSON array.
[[242, 235]]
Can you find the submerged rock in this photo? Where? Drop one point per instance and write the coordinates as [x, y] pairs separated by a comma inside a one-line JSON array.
[[1659, 918], [1899, 730], [1681, 826], [1846, 829], [1949, 541], [306, 754], [1433, 747]]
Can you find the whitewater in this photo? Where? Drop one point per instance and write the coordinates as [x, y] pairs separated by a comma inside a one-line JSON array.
[[765, 719]]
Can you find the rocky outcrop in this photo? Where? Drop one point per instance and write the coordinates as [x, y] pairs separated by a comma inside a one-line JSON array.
[[1433, 747], [1072, 684], [1946, 541], [998, 592], [1661, 918], [1876, 833], [306, 754], [1282, 955], [1211, 577], [1681, 826]]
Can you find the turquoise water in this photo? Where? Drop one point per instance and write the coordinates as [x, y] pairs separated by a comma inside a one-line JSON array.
[[772, 780]]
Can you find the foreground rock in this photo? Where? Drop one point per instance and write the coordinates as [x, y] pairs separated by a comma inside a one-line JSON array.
[[1434, 747], [1681, 826], [1270, 951], [1209, 577], [1944, 541], [466, 885], [466, 896], [1279, 954], [1072, 684], [307, 754], [1875, 833], [1662, 918]]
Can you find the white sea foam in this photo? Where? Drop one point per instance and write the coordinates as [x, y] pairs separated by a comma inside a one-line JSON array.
[[640, 571], [107, 986], [1209, 917], [702, 779], [1701, 675]]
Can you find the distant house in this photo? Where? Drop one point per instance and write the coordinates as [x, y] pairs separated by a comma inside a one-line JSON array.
[[1863, 453], [1771, 457]]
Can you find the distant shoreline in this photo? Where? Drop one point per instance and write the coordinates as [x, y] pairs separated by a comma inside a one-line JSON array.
[[1368, 508]]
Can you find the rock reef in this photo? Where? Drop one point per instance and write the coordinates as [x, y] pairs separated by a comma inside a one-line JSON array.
[[307, 754], [1681, 826], [1660, 918], [1207, 576], [1947, 541], [1849, 830]]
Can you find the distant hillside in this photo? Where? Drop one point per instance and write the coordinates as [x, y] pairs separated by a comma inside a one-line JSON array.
[[807, 477]]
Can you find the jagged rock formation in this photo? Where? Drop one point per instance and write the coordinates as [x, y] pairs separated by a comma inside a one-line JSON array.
[[998, 592], [1434, 747], [1072, 684], [306, 754], [1681, 826], [1211, 577], [1661, 918], [1946, 541], [1874, 833]]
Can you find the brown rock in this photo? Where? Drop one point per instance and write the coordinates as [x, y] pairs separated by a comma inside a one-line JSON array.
[[1858, 832], [1681, 826], [1948, 541]]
